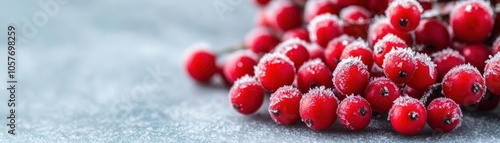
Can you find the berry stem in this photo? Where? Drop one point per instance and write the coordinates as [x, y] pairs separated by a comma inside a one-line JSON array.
[[230, 49]]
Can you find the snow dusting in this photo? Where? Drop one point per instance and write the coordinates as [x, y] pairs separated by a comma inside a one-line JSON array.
[[493, 65], [404, 100], [406, 54], [315, 22], [448, 52], [424, 58], [403, 3], [290, 44], [269, 59]]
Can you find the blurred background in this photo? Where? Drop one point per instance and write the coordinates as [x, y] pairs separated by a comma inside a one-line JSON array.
[[111, 71]]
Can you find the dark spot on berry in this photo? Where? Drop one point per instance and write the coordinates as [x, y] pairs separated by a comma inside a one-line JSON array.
[[380, 49], [309, 122], [362, 111], [403, 22], [402, 74], [476, 88], [447, 121], [431, 47], [413, 115], [313, 85], [236, 107], [275, 112], [384, 91]]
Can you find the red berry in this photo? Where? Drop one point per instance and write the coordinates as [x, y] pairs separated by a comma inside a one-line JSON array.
[[377, 71], [295, 49], [472, 21], [464, 84], [476, 54], [246, 95], [261, 19], [433, 35], [381, 92], [314, 8], [313, 73], [496, 45], [496, 28], [354, 113], [351, 76], [261, 3], [318, 108], [238, 65], [283, 15], [261, 40], [356, 18], [300, 33], [404, 15], [346, 3], [492, 74], [359, 48], [408, 116], [489, 102], [284, 105], [274, 71], [425, 73], [385, 45], [443, 115], [324, 28], [334, 50], [445, 60], [381, 27], [399, 65], [200, 63]]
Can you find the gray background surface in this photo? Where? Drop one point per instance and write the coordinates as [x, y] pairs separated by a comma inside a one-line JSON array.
[[81, 75]]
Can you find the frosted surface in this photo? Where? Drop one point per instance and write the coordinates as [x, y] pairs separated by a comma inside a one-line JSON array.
[[78, 73]]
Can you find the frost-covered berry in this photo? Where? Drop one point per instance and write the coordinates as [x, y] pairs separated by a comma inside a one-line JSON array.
[[295, 49], [334, 50], [492, 74], [284, 105], [359, 48], [200, 62], [381, 93], [260, 40], [246, 95], [404, 15], [354, 113], [312, 74], [407, 116], [351, 76], [464, 84], [275, 70], [425, 73], [318, 108], [399, 65], [445, 60], [239, 64], [472, 21], [324, 28], [443, 115], [385, 45]]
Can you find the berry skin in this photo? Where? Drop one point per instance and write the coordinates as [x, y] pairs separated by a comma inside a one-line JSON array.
[[354, 113], [200, 63], [261, 40], [283, 15], [377, 6], [443, 115], [300, 33], [492, 74], [274, 71], [313, 73], [433, 35], [351, 76], [385, 45], [466, 17], [382, 27], [359, 48], [334, 50], [417, 94], [316, 51], [314, 8], [407, 116], [356, 18], [261, 3], [399, 65], [238, 65], [381, 93], [464, 84], [425, 73], [295, 49], [476, 54], [284, 105], [404, 15], [324, 28], [318, 108], [445, 60], [246, 95]]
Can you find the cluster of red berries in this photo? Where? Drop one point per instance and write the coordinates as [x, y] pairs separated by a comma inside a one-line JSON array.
[[323, 60]]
